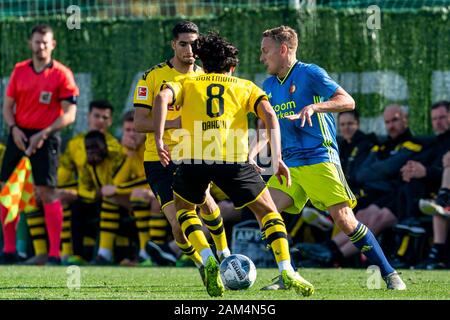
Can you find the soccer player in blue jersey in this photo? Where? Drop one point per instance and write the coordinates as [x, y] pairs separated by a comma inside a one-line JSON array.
[[303, 97]]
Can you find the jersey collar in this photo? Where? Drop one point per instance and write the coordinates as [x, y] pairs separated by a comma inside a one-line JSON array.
[[281, 81], [196, 67], [48, 65]]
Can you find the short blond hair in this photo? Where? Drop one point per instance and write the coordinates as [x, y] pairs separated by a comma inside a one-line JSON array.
[[283, 34]]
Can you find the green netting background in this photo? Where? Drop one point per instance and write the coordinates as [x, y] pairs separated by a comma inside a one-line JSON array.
[[412, 44], [145, 8]]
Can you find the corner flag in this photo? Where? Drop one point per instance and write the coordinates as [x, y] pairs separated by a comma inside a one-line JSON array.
[[18, 192]]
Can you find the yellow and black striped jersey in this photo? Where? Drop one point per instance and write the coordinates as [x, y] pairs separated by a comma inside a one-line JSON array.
[[74, 159], [92, 178], [132, 174], [146, 90], [214, 110]]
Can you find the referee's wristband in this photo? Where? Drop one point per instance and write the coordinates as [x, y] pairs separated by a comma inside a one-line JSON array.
[[12, 127]]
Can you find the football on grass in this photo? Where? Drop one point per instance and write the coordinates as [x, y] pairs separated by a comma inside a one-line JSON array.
[[238, 272]]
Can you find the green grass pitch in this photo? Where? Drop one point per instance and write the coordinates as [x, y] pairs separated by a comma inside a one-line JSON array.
[[20, 282]]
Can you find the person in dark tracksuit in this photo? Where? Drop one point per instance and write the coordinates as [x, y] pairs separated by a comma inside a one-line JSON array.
[[422, 177], [354, 146]]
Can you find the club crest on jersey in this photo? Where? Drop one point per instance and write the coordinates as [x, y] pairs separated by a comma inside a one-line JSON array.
[[142, 93], [292, 88], [45, 97]]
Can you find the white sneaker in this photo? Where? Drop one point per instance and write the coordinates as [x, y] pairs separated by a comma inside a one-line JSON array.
[[430, 207], [394, 282]]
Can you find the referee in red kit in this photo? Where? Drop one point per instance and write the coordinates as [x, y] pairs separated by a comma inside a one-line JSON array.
[[43, 92]]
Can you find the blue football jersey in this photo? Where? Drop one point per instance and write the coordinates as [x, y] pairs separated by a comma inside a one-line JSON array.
[[304, 84]]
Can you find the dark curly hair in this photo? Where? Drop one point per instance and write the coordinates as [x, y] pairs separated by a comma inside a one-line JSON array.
[[216, 53]]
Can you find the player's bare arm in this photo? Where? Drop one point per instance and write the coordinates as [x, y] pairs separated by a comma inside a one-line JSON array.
[[143, 121], [162, 100], [340, 101], [8, 114], [258, 144], [268, 116]]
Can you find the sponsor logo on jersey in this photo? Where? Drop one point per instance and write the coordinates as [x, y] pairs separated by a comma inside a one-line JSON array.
[[292, 89], [142, 93]]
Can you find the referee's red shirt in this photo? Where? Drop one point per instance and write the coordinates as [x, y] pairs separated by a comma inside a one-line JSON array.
[[38, 95]]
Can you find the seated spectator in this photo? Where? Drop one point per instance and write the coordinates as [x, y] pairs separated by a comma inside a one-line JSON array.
[[354, 146], [81, 216], [130, 190], [422, 175], [421, 179], [101, 168], [440, 209]]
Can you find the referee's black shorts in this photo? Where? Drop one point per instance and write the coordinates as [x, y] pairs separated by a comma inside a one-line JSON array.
[[44, 162], [239, 181], [160, 180]]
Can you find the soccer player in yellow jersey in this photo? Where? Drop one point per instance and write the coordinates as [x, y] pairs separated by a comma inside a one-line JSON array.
[[160, 178], [214, 109], [79, 231]]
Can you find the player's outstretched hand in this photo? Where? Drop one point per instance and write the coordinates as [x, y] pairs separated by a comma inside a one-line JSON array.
[[304, 115], [283, 171], [163, 153]]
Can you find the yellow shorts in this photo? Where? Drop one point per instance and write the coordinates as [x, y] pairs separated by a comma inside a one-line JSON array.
[[323, 183]]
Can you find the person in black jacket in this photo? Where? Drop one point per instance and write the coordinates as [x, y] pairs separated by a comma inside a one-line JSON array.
[[354, 146], [421, 178], [422, 175], [430, 173]]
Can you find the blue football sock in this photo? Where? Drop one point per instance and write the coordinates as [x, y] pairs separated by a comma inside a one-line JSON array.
[[365, 241]]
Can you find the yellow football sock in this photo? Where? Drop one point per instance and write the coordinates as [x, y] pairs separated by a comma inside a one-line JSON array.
[[214, 223], [192, 228], [66, 234], [38, 233], [109, 224], [122, 241], [158, 227], [142, 215], [190, 252], [275, 234]]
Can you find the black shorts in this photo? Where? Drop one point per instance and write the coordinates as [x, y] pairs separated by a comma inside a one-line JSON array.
[[160, 180], [379, 198], [44, 163], [239, 181]]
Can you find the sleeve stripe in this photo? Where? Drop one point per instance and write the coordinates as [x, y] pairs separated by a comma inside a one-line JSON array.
[[257, 102], [164, 86], [71, 99], [141, 105]]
